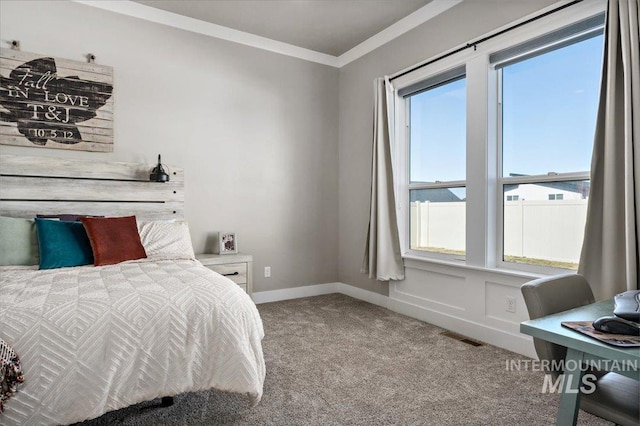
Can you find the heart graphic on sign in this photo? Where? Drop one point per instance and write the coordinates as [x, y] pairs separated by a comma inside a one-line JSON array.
[[47, 107]]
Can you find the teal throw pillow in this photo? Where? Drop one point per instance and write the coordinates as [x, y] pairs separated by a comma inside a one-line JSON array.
[[63, 244]]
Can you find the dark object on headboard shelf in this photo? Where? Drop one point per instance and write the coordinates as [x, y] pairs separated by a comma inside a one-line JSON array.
[[158, 174]]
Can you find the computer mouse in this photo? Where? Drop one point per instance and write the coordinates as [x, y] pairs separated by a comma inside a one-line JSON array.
[[615, 325]]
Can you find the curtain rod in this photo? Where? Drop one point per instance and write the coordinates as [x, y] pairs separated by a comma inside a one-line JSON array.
[[483, 39]]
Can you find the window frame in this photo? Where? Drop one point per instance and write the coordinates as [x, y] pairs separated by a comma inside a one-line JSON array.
[[448, 76], [401, 156], [484, 181], [502, 181], [511, 180]]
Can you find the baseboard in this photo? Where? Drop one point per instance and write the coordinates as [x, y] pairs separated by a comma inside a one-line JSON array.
[[317, 290], [361, 294], [293, 293], [503, 339], [515, 343]]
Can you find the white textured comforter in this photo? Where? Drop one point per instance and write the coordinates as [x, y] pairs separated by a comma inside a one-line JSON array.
[[96, 339]]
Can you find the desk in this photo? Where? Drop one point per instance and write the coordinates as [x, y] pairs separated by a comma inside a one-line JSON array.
[[581, 348]]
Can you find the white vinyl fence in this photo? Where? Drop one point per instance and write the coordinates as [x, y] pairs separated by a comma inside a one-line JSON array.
[[549, 230], [438, 225]]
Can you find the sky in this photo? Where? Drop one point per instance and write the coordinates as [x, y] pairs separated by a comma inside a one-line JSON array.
[[549, 112]]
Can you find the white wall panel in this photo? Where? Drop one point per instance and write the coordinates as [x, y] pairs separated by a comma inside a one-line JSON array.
[[495, 302], [468, 300], [438, 290]]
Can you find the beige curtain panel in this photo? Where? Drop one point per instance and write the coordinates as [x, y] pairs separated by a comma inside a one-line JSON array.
[[609, 257], [382, 257]]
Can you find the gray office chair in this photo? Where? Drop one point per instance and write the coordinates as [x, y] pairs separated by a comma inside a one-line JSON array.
[[616, 398]]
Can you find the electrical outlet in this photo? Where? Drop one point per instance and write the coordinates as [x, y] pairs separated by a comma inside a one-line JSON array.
[[511, 304], [267, 271]]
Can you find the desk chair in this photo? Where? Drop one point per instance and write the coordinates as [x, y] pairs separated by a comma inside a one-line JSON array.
[[616, 398]]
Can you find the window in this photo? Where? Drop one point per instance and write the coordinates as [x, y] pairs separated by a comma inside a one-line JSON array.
[[549, 106], [437, 164], [495, 143]]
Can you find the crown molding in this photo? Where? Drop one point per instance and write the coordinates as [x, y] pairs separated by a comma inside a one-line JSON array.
[[406, 24], [186, 23]]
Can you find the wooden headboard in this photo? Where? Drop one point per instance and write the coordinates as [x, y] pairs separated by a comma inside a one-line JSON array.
[[45, 185]]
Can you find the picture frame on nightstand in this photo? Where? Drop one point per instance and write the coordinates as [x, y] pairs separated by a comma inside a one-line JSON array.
[[227, 243]]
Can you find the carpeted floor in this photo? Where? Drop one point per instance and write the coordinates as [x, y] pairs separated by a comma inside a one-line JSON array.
[[334, 360]]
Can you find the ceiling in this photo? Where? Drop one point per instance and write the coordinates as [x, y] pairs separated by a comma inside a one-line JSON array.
[[332, 27]]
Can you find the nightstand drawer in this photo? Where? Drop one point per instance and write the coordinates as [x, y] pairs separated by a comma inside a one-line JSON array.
[[237, 272], [237, 267]]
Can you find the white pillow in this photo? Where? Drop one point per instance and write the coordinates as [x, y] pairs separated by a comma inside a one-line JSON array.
[[167, 240]]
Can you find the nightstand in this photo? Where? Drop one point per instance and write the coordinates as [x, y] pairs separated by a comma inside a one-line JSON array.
[[237, 267]]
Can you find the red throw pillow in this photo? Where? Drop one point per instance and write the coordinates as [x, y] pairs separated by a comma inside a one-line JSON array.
[[113, 239]]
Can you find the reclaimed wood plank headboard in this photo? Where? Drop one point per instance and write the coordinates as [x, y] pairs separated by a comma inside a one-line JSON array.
[[46, 185]]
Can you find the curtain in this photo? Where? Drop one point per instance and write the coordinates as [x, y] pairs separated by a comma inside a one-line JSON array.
[[382, 257], [609, 258]]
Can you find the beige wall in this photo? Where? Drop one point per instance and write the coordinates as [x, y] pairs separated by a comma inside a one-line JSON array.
[[256, 132], [454, 27]]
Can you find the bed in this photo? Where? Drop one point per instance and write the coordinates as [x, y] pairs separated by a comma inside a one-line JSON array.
[[98, 338]]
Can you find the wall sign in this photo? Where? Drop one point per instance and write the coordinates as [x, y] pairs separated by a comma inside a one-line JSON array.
[[55, 103]]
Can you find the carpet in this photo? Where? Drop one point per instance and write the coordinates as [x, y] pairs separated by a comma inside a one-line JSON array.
[[335, 360]]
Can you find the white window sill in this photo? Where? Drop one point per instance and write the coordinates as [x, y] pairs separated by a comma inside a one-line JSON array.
[[421, 262]]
